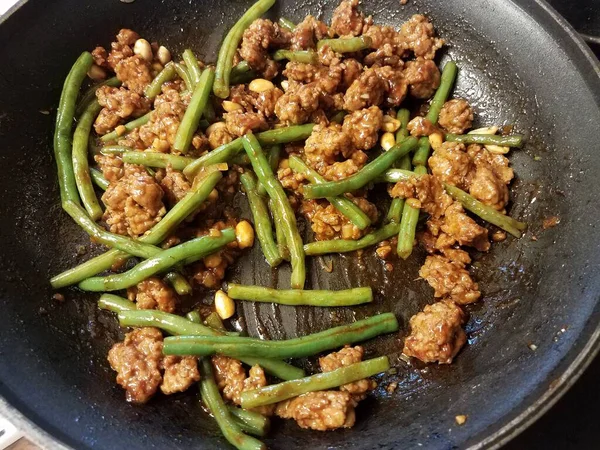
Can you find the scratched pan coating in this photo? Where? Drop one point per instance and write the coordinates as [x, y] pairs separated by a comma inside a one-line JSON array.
[[518, 66]]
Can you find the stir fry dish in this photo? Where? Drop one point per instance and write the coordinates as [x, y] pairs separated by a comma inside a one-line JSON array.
[[304, 122]]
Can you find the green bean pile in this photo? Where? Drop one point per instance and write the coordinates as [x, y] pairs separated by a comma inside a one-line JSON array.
[[171, 247]]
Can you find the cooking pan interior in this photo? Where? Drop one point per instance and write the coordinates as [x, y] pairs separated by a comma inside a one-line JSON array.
[[518, 66]]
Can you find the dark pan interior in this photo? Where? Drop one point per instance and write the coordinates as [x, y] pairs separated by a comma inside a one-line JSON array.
[[518, 66]]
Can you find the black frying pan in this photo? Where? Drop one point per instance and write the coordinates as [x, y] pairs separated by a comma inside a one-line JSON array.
[[520, 64]]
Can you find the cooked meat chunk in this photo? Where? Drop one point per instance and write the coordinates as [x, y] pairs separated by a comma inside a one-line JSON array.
[[240, 123], [260, 37], [133, 203], [351, 71], [347, 20], [263, 102], [363, 127], [120, 49], [421, 126], [307, 33], [432, 195], [456, 116], [343, 169], [180, 372], [136, 361], [388, 44], [325, 143], [134, 72], [419, 36], [327, 222], [219, 136], [174, 184], [297, 105], [303, 72], [452, 165], [423, 78], [111, 166], [118, 104], [436, 333], [153, 293], [324, 410], [169, 108], [449, 280], [345, 357], [367, 90], [463, 229], [395, 85], [488, 188]]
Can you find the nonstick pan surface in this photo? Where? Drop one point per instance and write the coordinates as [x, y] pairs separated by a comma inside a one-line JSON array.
[[520, 64]]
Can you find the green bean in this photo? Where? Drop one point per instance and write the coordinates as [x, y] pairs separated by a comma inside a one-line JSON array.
[[515, 140], [348, 245], [486, 212], [196, 248], [241, 73], [282, 246], [225, 152], [262, 222], [395, 175], [346, 45], [129, 126], [273, 155], [90, 94], [403, 116], [99, 179], [287, 24], [397, 205], [301, 56], [177, 325], [230, 44], [309, 345], [441, 95], [81, 167], [279, 392], [194, 111], [116, 149], [344, 205], [154, 88], [186, 206], [364, 176], [277, 194], [215, 404], [295, 297], [179, 283], [194, 316], [191, 63], [114, 303], [338, 117], [157, 159], [214, 321], [64, 124], [99, 234], [408, 224], [209, 115], [250, 421], [184, 74]]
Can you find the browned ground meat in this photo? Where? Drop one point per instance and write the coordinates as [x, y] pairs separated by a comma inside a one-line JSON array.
[[260, 37], [428, 190], [180, 372], [351, 71], [118, 104], [219, 136], [324, 410], [240, 123], [347, 20], [327, 222], [363, 127], [421, 126], [133, 203], [136, 361], [325, 143], [423, 78], [436, 333], [307, 33], [367, 90], [346, 356], [134, 72], [491, 178], [153, 293], [451, 164], [343, 169], [463, 229], [111, 166], [449, 280], [174, 184], [419, 36], [263, 102], [297, 104], [303, 72], [120, 49], [456, 116], [388, 44]]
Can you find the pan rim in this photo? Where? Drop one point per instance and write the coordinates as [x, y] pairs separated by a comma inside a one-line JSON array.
[[529, 412]]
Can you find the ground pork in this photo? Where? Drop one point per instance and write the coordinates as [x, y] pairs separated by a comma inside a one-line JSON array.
[[307, 33], [133, 203], [345, 357], [343, 169], [297, 105], [261, 102], [325, 144], [134, 72], [327, 222], [451, 164], [449, 280], [240, 123], [174, 184], [111, 166], [456, 116], [421, 126], [464, 230], [323, 410], [118, 104], [395, 85], [219, 135], [180, 372], [436, 333], [492, 176], [260, 37], [120, 49], [153, 293], [367, 90], [423, 78], [428, 190], [347, 19], [363, 127], [418, 35], [352, 69]]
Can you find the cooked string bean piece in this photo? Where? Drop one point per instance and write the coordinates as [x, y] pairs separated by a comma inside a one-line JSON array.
[[273, 155], [338, 117], [322, 381], [408, 224], [99, 179], [186, 206], [217, 407], [129, 126], [514, 140], [397, 205], [230, 45], [115, 149], [90, 94], [116, 304], [277, 194], [194, 316], [241, 73], [348, 245], [209, 115], [287, 24], [344, 205], [486, 212], [193, 113], [214, 321], [191, 63], [196, 248], [225, 152], [309, 345], [81, 166], [364, 176], [64, 124], [156, 159], [179, 283], [395, 175], [282, 247], [184, 74], [250, 421], [167, 74], [262, 221], [295, 297], [346, 45], [302, 56]]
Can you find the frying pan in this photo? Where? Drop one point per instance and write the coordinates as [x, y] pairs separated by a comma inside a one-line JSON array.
[[520, 64]]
